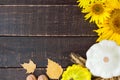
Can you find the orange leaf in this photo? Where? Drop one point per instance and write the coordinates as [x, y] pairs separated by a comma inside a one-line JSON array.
[[54, 70], [30, 67]]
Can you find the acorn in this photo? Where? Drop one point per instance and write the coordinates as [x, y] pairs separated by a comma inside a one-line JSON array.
[[31, 77], [42, 77]]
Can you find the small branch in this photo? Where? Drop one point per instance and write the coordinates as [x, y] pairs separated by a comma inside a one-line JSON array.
[[77, 59]]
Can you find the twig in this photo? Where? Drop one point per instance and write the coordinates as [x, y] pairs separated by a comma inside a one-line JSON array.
[[77, 59]]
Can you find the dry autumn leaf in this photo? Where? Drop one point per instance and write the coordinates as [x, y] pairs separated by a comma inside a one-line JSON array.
[[30, 67], [54, 70]]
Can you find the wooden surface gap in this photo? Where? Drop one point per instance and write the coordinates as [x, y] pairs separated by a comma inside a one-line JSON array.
[[52, 36], [37, 2], [35, 5], [48, 35], [22, 67]]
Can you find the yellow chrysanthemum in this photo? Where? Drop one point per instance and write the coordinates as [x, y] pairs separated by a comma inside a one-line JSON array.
[[110, 29], [76, 72], [97, 11]]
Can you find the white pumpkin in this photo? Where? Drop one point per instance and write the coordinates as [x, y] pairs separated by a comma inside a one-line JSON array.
[[103, 59]]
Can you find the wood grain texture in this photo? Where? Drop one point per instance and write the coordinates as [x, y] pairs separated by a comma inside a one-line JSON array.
[[16, 50], [41, 29], [18, 73], [37, 2], [44, 21]]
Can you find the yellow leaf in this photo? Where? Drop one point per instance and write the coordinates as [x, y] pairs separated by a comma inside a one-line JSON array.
[[54, 70], [30, 67]]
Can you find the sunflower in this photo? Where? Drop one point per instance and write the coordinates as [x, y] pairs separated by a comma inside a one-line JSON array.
[[110, 29], [97, 11], [76, 72], [84, 3], [114, 4]]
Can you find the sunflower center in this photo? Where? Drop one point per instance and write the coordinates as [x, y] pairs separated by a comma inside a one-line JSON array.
[[116, 23], [97, 9], [115, 20]]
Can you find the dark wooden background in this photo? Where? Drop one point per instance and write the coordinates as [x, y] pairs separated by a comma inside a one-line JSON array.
[[41, 29]]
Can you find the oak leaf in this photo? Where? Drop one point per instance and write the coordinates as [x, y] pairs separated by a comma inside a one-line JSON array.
[[54, 70], [29, 67]]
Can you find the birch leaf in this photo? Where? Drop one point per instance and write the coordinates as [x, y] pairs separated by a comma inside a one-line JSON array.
[[29, 67], [54, 70]]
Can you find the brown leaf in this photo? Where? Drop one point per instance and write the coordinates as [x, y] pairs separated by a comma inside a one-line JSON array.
[[30, 67], [54, 70]]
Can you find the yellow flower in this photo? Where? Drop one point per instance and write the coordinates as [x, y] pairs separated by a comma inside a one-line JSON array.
[[110, 29], [97, 11], [84, 3], [114, 4], [76, 72]]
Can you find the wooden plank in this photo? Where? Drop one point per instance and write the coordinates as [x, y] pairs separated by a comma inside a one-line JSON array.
[[17, 73], [16, 50], [36, 2], [65, 20]]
